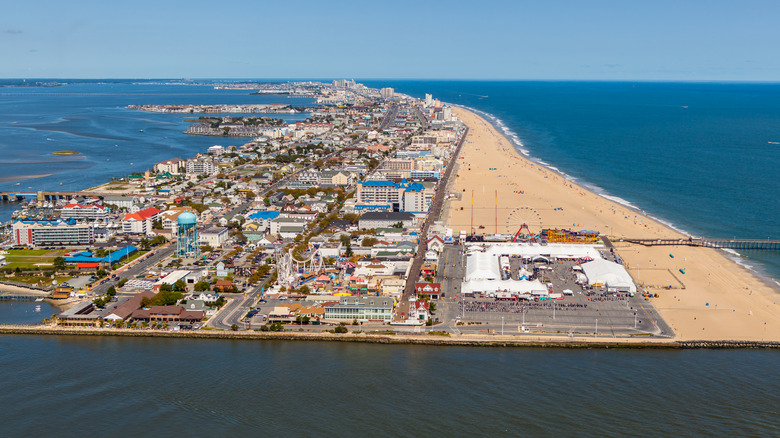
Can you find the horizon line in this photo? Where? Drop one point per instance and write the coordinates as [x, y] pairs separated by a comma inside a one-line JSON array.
[[736, 81]]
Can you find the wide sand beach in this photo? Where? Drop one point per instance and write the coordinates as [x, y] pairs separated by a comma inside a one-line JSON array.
[[714, 299]]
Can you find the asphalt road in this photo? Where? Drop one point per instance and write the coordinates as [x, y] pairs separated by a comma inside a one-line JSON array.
[[232, 312], [138, 268]]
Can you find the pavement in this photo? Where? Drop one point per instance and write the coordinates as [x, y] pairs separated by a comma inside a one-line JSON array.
[[232, 312]]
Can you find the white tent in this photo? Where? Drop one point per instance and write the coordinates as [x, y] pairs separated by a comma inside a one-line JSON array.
[[513, 287], [482, 266], [610, 274]]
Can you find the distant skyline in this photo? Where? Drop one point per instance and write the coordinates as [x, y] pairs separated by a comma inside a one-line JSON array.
[[551, 40]]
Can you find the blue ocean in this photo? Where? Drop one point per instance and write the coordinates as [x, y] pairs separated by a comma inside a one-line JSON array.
[[702, 157]]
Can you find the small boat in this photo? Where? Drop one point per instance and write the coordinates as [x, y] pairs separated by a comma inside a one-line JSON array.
[[38, 308], [140, 130]]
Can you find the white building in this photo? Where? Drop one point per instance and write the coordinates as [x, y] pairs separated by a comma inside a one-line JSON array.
[[174, 165], [58, 232], [78, 211], [214, 236], [140, 222], [201, 167]]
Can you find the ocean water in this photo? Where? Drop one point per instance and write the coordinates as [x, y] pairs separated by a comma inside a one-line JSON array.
[[703, 157], [80, 386]]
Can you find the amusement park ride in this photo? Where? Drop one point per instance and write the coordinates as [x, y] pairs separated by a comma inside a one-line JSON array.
[[293, 271]]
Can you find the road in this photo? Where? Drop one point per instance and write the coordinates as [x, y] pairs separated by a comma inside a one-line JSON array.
[[433, 215], [231, 313], [139, 267], [389, 117]]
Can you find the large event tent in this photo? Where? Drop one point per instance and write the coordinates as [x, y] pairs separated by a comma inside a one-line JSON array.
[[612, 275]]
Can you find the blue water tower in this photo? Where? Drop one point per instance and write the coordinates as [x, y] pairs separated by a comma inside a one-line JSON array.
[[187, 235]]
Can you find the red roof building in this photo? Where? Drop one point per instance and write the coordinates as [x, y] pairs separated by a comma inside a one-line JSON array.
[[433, 290]]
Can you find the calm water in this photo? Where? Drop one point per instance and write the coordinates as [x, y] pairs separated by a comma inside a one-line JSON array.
[[91, 119], [132, 387], [23, 312]]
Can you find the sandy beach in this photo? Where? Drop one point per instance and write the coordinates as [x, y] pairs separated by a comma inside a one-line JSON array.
[[715, 299]]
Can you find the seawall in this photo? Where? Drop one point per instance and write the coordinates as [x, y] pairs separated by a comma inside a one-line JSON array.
[[416, 339]]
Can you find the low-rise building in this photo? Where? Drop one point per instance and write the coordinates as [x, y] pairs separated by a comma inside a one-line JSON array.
[[214, 236], [363, 309], [78, 211], [385, 219]]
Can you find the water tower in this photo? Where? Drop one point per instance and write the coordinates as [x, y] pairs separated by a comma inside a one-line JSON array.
[[187, 235]]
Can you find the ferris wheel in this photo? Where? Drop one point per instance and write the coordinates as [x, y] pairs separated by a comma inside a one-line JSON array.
[[524, 218]]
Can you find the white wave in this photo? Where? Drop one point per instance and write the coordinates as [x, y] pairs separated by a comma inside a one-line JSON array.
[[732, 252]]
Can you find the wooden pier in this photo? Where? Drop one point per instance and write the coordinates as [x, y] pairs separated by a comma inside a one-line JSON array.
[[736, 244]]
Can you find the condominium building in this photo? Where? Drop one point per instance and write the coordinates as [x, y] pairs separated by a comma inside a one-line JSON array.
[[140, 222], [201, 167], [54, 232], [78, 211]]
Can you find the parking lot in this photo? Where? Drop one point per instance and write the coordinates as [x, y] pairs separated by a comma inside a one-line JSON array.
[[584, 310]]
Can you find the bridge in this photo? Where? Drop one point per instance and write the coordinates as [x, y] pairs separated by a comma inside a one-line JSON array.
[[736, 244], [56, 195]]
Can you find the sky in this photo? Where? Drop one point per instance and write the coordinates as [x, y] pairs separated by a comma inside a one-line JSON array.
[[688, 40]]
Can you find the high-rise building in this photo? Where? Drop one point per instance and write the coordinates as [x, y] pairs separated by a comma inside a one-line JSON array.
[[428, 100], [387, 92]]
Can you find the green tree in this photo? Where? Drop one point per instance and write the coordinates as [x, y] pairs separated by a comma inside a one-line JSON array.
[[59, 263], [368, 241], [111, 291], [202, 286], [121, 282], [180, 286], [234, 328], [340, 329]]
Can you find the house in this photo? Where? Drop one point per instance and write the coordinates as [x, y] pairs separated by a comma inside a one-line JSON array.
[[419, 310], [433, 290], [436, 243], [224, 286]]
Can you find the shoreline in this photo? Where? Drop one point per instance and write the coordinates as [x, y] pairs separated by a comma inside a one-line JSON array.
[[715, 295], [531, 341], [513, 139]]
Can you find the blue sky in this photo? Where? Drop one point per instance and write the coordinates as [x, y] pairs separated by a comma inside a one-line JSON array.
[[551, 39]]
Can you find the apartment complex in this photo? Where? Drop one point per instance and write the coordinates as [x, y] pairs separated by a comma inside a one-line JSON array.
[[54, 232]]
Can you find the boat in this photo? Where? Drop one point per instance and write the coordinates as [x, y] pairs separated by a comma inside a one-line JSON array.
[[140, 130], [38, 308]]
